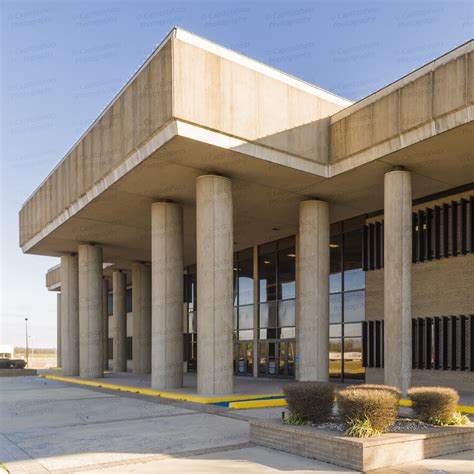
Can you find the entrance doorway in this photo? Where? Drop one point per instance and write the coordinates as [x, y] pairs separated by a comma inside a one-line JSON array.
[[276, 359], [243, 360]]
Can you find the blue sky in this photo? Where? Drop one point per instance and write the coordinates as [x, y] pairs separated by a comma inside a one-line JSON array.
[[62, 62]]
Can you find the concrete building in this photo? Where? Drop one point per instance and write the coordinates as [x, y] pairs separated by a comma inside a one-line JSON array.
[[246, 222]]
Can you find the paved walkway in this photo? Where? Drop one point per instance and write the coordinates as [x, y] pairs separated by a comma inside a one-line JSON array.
[[51, 426]]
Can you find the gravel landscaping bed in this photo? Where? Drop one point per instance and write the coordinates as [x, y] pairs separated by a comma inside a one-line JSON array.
[[402, 425]]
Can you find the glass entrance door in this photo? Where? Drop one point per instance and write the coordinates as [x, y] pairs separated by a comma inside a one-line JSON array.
[[243, 362], [276, 359]]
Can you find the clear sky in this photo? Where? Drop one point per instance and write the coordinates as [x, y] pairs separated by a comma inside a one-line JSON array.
[[62, 62]]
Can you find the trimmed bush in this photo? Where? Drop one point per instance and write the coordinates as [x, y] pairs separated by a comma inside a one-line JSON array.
[[376, 405], [435, 405], [312, 401]]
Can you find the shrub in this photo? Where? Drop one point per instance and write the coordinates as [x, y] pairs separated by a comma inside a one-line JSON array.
[[459, 419], [361, 429], [435, 405], [374, 405], [293, 419], [312, 401]]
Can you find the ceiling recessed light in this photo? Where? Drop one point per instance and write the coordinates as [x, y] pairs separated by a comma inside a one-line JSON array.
[[292, 255], [334, 246]]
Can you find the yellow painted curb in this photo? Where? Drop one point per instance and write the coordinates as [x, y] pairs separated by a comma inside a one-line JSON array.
[[155, 393], [461, 408], [277, 402]]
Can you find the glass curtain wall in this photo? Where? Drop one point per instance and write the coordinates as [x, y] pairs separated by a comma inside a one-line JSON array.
[[276, 270], [243, 312], [190, 329], [346, 301]]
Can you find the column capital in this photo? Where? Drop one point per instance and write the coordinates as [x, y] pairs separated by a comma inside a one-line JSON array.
[[213, 175], [398, 168]]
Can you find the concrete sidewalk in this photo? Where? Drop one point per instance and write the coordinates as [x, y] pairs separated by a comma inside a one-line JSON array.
[[51, 426]]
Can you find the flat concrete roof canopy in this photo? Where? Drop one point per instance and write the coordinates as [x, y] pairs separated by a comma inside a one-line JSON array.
[[195, 107]]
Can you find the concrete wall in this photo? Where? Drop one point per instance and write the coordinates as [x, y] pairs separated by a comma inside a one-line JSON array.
[[234, 97], [430, 100], [142, 107]]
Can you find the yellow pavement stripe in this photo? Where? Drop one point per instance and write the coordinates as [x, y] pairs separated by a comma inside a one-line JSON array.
[[250, 401], [276, 402], [280, 402], [156, 393]]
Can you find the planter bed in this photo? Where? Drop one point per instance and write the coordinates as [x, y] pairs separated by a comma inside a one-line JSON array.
[[362, 454]]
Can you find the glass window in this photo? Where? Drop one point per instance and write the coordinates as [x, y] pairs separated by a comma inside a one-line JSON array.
[[192, 325], [267, 277], [335, 308], [246, 317], [335, 249], [246, 335], [245, 276], [286, 313], [129, 349], [335, 330], [191, 291], [236, 313], [354, 276], [354, 306], [268, 315], [235, 276], [129, 300], [110, 304], [287, 333], [353, 330], [286, 273], [353, 358], [262, 358], [335, 357], [291, 358]]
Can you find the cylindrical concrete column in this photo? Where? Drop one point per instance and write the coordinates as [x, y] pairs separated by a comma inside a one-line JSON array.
[[105, 324], [58, 330], [397, 278], [141, 304], [90, 311], [69, 315], [214, 229], [119, 286], [167, 295], [312, 318]]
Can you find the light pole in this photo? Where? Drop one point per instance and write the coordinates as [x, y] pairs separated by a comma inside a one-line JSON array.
[[26, 328]]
